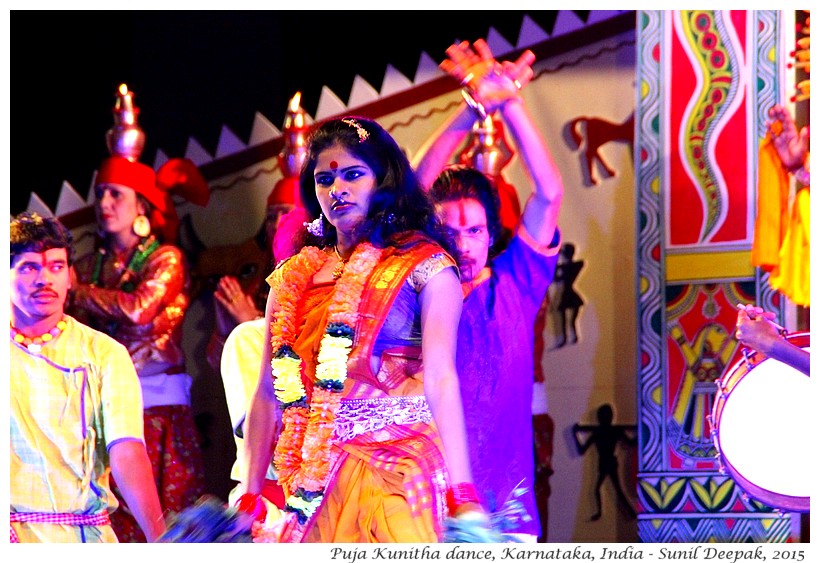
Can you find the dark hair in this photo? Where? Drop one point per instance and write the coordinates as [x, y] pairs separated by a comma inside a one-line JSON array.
[[32, 233], [461, 182], [398, 204]]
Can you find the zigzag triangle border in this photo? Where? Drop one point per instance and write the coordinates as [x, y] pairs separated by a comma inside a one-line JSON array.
[[330, 104]]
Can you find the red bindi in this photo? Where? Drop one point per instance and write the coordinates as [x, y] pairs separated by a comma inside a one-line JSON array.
[[334, 165]]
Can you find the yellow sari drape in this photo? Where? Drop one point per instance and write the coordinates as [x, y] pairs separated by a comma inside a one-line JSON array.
[[387, 485], [772, 207]]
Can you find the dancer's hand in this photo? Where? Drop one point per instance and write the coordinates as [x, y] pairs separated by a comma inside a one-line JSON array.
[[791, 146], [489, 82], [756, 328]]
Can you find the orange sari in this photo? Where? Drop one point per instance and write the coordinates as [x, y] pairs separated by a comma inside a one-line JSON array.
[[387, 480]]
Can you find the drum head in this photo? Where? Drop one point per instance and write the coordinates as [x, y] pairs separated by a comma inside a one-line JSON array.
[[763, 434]]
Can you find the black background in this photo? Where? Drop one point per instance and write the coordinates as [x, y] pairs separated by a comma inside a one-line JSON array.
[[194, 71]]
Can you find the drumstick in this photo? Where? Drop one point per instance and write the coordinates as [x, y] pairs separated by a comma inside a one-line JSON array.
[[743, 307]]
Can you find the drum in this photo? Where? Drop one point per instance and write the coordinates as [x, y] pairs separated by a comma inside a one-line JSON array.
[[762, 428]]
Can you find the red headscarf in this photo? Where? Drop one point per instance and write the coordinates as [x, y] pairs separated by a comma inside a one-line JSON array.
[[179, 176]]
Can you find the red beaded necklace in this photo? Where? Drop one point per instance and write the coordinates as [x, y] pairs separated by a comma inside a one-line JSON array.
[[35, 344]]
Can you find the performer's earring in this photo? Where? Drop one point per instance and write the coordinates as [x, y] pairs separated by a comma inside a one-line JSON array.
[[316, 227], [141, 226]]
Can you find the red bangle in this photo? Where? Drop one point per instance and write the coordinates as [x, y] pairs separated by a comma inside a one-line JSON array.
[[460, 494], [252, 503]]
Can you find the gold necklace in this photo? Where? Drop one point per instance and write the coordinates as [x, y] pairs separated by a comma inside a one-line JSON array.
[[340, 265], [35, 344]]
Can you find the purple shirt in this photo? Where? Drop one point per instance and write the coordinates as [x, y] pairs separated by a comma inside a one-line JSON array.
[[495, 362]]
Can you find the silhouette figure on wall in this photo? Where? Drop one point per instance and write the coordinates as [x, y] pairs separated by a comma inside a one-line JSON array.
[[599, 132], [605, 436], [567, 301]]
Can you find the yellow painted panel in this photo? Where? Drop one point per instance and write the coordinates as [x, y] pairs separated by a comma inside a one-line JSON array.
[[709, 266]]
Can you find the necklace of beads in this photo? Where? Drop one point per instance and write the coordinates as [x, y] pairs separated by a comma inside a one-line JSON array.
[[35, 344], [144, 249]]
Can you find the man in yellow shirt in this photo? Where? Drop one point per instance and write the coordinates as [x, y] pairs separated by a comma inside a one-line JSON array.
[[76, 405]]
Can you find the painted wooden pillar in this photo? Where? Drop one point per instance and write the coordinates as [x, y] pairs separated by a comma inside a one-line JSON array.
[[705, 80]]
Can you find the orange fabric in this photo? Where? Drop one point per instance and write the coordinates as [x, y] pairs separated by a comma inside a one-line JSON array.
[[367, 505], [395, 267], [390, 489], [792, 275], [313, 312], [772, 207]]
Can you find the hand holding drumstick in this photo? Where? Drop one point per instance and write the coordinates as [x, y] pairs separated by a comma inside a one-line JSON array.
[[757, 329]]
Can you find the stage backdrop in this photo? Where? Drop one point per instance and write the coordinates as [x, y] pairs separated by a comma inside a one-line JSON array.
[[653, 118], [705, 82]]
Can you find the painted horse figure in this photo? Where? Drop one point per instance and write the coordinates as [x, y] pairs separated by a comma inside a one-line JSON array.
[[599, 132]]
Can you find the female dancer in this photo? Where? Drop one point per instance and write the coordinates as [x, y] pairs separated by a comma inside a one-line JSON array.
[[358, 399], [134, 287]]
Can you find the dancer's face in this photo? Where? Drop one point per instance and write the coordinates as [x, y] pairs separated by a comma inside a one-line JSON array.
[[466, 221], [117, 206], [344, 186]]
